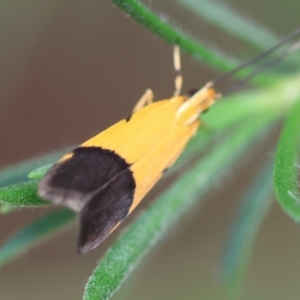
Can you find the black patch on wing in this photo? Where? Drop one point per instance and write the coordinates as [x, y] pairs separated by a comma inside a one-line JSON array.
[[105, 210], [87, 170]]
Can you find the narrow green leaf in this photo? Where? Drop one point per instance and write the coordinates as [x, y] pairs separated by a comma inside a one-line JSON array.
[[146, 230], [250, 216], [39, 172], [287, 165], [239, 26], [21, 194], [34, 234], [170, 34], [18, 172]]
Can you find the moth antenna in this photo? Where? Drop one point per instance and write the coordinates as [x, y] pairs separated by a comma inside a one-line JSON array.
[[260, 57], [265, 66]]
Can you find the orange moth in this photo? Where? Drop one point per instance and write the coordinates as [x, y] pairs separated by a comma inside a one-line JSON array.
[[106, 177]]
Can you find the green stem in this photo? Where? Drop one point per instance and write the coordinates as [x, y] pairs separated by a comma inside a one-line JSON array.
[[161, 28]]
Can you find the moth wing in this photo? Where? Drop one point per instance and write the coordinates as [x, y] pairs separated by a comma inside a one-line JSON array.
[[132, 138], [82, 172], [107, 176], [104, 212]]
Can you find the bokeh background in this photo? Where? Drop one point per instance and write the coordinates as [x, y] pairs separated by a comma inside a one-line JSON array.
[[69, 69]]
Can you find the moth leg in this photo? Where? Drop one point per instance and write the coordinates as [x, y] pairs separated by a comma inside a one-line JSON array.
[[177, 68], [146, 99]]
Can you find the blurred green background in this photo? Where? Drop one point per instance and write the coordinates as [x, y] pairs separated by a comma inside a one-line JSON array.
[[69, 69]]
